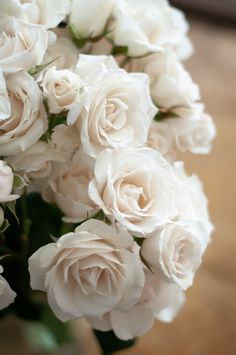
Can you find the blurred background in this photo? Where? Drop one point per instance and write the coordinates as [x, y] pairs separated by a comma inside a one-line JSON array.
[[207, 323]]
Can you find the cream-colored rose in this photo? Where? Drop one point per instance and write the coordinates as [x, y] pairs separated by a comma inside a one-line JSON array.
[[185, 49], [7, 295], [26, 120], [159, 300], [118, 110], [134, 187], [22, 45], [193, 134], [36, 161], [69, 189], [62, 89], [174, 253], [88, 18], [160, 138], [144, 26], [171, 85], [65, 53], [190, 198], [65, 139], [5, 107], [6, 183], [88, 272], [48, 13]]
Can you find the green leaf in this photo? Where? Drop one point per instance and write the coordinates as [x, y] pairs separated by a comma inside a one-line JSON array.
[[4, 256], [102, 217], [39, 338], [144, 261], [4, 226], [39, 68], [120, 50], [45, 221], [109, 342], [160, 116], [19, 182], [78, 41], [49, 334], [139, 240], [12, 207], [54, 120]]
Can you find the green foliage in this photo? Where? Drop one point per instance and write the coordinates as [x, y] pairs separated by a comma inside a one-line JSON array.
[[45, 221], [161, 116], [109, 342], [19, 182], [36, 70], [120, 50], [78, 40], [4, 226], [48, 334]]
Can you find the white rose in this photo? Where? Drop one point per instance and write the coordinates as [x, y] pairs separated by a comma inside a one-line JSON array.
[[61, 88], [135, 187], [36, 161], [5, 107], [65, 52], [88, 272], [171, 85], [174, 253], [7, 295], [6, 183], [160, 138], [26, 119], [22, 45], [48, 13], [88, 18], [69, 189], [193, 134], [144, 26], [118, 111], [65, 139], [159, 300], [191, 201], [185, 49]]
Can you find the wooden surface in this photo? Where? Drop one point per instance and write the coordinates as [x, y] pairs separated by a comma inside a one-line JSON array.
[[207, 323]]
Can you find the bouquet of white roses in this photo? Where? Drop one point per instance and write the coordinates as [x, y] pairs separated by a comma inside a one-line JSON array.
[[95, 211]]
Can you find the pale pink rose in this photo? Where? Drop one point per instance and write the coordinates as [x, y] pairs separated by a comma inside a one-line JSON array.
[[36, 161], [65, 139], [174, 253], [7, 295], [61, 88], [22, 45], [25, 118], [6, 183], [160, 138], [145, 26], [88, 272], [159, 300], [191, 201], [69, 189], [171, 86], [48, 13], [118, 109], [193, 134], [136, 187], [88, 18]]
